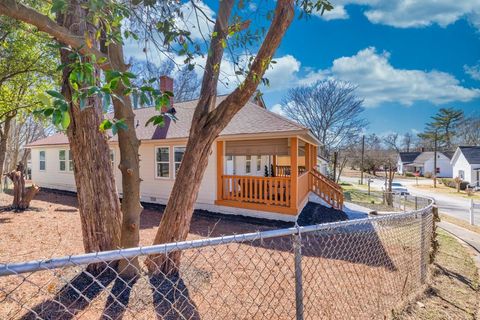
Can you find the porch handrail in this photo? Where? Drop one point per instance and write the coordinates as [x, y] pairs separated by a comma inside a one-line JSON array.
[[326, 189]]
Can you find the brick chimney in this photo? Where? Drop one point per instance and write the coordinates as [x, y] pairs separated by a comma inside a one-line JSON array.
[[166, 84]]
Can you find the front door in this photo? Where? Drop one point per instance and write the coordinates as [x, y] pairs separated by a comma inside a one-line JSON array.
[[229, 166]]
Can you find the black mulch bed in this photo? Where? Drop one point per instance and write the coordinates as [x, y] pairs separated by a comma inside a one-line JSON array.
[[315, 213]]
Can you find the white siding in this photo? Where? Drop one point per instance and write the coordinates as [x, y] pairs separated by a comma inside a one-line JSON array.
[[443, 163], [461, 164], [152, 189]]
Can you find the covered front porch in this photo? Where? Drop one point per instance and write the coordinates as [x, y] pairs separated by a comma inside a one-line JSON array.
[[273, 175]]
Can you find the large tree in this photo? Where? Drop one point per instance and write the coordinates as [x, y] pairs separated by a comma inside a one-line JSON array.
[[210, 119], [443, 127], [330, 108], [26, 70]]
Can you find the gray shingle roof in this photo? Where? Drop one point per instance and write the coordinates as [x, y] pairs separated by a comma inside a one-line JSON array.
[[251, 119], [472, 154], [408, 157]]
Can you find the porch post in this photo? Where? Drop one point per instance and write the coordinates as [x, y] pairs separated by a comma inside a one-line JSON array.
[[294, 172], [220, 157], [308, 157], [274, 162], [314, 157]]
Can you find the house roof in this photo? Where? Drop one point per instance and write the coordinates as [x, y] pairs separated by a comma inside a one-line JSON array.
[[472, 154], [251, 119], [408, 157]]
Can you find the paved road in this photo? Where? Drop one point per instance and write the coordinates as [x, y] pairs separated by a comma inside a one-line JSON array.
[[450, 205]]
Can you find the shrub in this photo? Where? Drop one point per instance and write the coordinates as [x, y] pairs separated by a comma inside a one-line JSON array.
[[428, 175], [409, 174], [463, 185], [448, 182]]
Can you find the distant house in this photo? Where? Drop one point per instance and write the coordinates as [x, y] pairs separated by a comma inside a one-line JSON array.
[[322, 165], [261, 165], [466, 164], [423, 162]]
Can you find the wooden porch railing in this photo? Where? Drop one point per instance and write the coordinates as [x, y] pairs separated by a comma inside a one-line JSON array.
[[326, 189], [264, 190], [284, 171]]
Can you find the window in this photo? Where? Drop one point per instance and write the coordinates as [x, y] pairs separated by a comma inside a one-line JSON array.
[[461, 174], [112, 158], [178, 153], [62, 160], [42, 162], [248, 164], [438, 170], [70, 160], [259, 163], [163, 162]]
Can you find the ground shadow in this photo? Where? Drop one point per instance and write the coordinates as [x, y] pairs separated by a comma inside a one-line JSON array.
[[171, 298], [119, 297], [75, 296]]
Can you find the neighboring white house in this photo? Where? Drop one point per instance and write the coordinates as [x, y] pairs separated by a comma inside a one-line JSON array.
[[466, 164], [423, 162], [255, 143]]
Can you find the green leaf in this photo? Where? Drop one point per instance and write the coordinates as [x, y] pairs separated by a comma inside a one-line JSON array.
[[48, 112], [106, 102], [105, 125], [65, 120], [58, 6], [55, 94], [121, 124]]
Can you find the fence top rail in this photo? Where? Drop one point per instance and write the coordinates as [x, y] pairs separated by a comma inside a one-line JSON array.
[[106, 256]]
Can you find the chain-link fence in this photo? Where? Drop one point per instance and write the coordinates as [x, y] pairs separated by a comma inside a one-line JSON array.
[[387, 202], [358, 269]]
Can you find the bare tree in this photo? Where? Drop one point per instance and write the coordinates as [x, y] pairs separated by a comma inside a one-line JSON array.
[[330, 109], [408, 141], [468, 131], [186, 82], [392, 141]]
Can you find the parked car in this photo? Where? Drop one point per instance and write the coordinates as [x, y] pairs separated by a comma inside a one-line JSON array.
[[398, 188]]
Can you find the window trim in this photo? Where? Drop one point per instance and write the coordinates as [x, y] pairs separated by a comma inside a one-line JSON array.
[[169, 162], [173, 158], [69, 160], [44, 160], [111, 156], [248, 161], [65, 160], [259, 163]]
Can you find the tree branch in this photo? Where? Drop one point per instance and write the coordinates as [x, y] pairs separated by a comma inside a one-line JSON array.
[[18, 11]]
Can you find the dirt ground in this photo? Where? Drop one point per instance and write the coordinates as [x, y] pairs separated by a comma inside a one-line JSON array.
[[455, 289], [356, 272], [40, 232]]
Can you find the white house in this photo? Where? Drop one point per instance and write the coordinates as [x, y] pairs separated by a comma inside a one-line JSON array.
[[261, 165], [423, 162], [466, 164]]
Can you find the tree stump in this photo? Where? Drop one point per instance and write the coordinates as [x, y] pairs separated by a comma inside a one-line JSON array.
[[21, 196]]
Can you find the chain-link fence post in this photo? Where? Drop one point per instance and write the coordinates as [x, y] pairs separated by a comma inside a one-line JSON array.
[[416, 203], [297, 248], [423, 261]]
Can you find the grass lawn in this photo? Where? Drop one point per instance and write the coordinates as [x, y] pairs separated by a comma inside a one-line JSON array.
[[454, 291], [359, 194], [447, 191]]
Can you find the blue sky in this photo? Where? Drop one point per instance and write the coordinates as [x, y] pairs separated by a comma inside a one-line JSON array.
[[408, 52], [407, 57]]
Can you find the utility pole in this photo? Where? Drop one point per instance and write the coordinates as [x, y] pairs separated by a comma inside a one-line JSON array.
[[361, 163], [335, 156], [435, 160]]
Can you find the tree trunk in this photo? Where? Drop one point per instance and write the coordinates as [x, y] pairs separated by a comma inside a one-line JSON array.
[[98, 201], [207, 124], [129, 166], [4, 134]]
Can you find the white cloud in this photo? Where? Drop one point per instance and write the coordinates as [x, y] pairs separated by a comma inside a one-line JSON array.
[[282, 75], [379, 82], [414, 13], [337, 13], [277, 108], [473, 71], [196, 21]]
